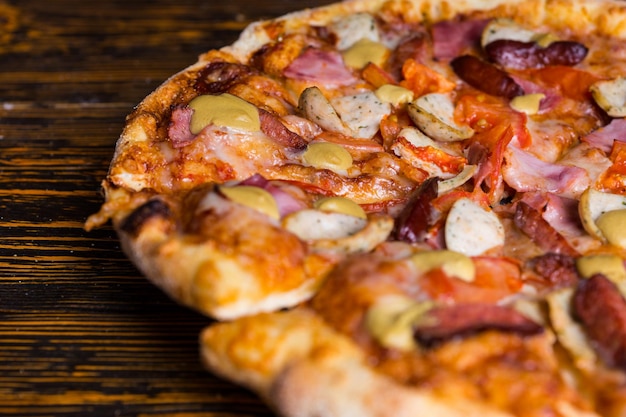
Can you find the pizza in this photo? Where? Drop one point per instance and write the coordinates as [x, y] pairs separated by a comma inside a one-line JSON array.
[[395, 207]]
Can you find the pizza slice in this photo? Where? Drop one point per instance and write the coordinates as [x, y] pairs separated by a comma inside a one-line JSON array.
[[395, 207]]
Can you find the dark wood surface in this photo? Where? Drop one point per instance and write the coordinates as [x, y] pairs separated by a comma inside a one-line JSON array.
[[81, 332]]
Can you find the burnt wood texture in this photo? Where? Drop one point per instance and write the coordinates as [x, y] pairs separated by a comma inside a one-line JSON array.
[[82, 333]]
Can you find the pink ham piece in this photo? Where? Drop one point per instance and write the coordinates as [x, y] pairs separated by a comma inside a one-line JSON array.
[[414, 46], [549, 102], [604, 137], [179, 131], [525, 172], [322, 67], [452, 37]]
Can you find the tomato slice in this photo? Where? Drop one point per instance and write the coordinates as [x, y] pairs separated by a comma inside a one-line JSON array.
[[496, 278], [376, 76], [423, 80], [496, 124], [614, 179], [571, 82], [493, 119]]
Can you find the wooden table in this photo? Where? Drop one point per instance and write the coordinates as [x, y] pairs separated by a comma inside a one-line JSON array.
[[81, 332]]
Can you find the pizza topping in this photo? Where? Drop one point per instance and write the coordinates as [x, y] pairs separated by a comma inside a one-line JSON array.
[[525, 172], [601, 308], [394, 94], [611, 96], [508, 29], [289, 198], [340, 205], [453, 264], [273, 127], [570, 332], [434, 115], [528, 103], [593, 204], [611, 266], [560, 212], [223, 110], [613, 179], [253, 197], [316, 107], [326, 155], [485, 77], [604, 137], [612, 224], [531, 222], [437, 159], [412, 47], [179, 130], [557, 269], [375, 230], [301, 126], [363, 52], [464, 176], [519, 55], [422, 79], [416, 218], [314, 224], [217, 77], [320, 67], [443, 323], [497, 278], [390, 320], [452, 37], [361, 112], [472, 230]]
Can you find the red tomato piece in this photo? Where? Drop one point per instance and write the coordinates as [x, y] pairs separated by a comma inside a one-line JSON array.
[[496, 278]]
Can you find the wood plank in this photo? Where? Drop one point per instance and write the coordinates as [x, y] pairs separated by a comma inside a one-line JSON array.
[[81, 331]]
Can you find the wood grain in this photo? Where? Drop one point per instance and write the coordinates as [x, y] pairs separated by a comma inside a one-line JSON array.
[[82, 333]]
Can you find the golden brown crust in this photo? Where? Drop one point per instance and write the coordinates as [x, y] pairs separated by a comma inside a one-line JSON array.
[[220, 267], [304, 368]]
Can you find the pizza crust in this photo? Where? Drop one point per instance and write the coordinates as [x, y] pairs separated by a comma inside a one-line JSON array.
[[225, 274], [303, 368]]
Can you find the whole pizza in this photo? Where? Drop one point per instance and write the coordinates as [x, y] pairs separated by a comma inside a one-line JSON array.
[[396, 207]]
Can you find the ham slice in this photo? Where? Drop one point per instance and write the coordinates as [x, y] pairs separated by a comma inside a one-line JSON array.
[[320, 66], [179, 131], [451, 37], [604, 137], [525, 172]]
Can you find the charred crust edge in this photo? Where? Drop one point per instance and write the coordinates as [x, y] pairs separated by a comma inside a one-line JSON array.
[[133, 223]]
